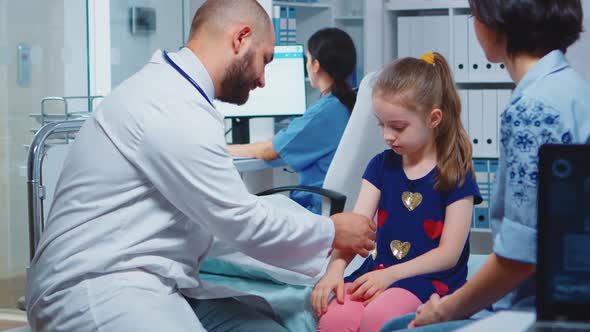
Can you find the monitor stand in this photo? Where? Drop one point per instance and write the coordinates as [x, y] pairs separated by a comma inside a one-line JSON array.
[[240, 128]]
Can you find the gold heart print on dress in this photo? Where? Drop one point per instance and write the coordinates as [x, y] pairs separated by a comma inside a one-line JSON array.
[[374, 252], [399, 249], [411, 200]]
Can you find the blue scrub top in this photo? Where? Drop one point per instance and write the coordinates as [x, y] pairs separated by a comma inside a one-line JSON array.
[[308, 145]]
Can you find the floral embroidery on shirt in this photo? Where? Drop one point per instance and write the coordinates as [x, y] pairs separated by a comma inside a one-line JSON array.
[[524, 128]]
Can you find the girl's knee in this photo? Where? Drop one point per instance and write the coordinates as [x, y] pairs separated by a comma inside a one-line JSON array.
[[341, 317], [393, 303]]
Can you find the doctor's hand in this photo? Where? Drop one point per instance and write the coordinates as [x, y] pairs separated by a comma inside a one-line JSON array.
[[354, 233]]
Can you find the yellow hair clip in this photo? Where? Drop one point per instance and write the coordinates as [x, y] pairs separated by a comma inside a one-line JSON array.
[[428, 58]]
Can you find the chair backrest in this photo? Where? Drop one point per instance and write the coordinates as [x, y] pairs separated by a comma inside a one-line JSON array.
[[361, 141]]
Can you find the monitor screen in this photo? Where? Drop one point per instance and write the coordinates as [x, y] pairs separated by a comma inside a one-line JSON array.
[[563, 256], [284, 92]]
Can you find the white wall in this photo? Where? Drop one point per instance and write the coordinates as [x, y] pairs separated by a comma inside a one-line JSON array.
[[579, 53], [75, 56], [129, 53]]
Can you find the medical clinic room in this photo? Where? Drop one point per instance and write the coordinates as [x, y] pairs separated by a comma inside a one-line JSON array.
[[294, 165]]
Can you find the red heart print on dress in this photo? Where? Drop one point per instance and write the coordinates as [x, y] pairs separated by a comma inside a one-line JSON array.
[[381, 218], [441, 288], [433, 228]]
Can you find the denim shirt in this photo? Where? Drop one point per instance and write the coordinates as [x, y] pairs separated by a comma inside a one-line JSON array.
[[551, 104]]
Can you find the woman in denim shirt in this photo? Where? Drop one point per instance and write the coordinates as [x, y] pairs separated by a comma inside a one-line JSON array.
[[551, 104]]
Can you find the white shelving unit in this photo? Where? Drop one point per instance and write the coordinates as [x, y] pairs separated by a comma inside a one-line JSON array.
[[347, 15], [392, 5], [303, 4]]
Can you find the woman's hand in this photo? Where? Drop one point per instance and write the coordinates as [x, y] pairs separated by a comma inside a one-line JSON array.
[[367, 287], [431, 312], [331, 281]]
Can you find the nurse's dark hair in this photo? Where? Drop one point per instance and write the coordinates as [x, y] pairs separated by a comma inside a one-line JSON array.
[[532, 26], [218, 14], [334, 50], [421, 86]]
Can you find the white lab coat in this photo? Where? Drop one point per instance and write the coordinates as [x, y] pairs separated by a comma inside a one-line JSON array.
[[146, 186]]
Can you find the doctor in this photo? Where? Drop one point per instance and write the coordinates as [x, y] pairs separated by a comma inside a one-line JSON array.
[[149, 183]]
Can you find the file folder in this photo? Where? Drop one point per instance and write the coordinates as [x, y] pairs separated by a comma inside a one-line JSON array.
[[475, 127], [460, 48], [490, 124], [481, 217]]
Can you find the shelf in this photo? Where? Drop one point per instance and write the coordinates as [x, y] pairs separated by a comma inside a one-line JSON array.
[[318, 5], [481, 230], [348, 18], [490, 81], [425, 4]]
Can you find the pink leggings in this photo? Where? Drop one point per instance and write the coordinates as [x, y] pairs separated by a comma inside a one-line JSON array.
[[353, 316]]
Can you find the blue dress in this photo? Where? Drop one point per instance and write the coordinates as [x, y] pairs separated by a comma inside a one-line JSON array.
[[405, 234], [309, 144]]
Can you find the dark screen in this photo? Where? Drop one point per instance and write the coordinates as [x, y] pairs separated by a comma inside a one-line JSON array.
[[566, 238]]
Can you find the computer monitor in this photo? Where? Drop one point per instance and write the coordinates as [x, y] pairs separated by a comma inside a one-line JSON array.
[[283, 94]]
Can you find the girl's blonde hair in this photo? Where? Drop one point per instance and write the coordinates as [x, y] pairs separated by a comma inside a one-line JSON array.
[[422, 85]]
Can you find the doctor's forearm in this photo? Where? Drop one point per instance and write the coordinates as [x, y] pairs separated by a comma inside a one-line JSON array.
[[261, 150], [496, 278]]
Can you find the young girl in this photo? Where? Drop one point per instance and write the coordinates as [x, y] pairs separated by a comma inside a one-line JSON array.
[[422, 191], [551, 104]]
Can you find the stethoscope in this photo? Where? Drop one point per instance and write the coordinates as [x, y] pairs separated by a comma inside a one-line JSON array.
[[188, 78]]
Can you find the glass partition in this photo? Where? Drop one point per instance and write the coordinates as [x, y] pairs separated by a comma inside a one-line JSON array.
[[43, 52]]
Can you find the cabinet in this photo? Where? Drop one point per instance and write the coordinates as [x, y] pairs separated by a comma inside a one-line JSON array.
[[311, 16]]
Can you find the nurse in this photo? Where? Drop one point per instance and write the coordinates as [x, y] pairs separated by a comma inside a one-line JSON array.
[[309, 143], [148, 184]]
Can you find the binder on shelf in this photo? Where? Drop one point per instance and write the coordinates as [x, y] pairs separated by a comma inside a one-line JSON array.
[[481, 215], [501, 73], [480, 70], [463, 95], [403, 36], [490, 123], [276, 19], [502, 103], [291, 26], [475, 128], [437, 31], [493, 169], [283, 26], [460, 48]]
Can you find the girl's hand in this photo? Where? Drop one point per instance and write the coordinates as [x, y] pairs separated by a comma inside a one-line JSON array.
[[367, 287], [331, 281]]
